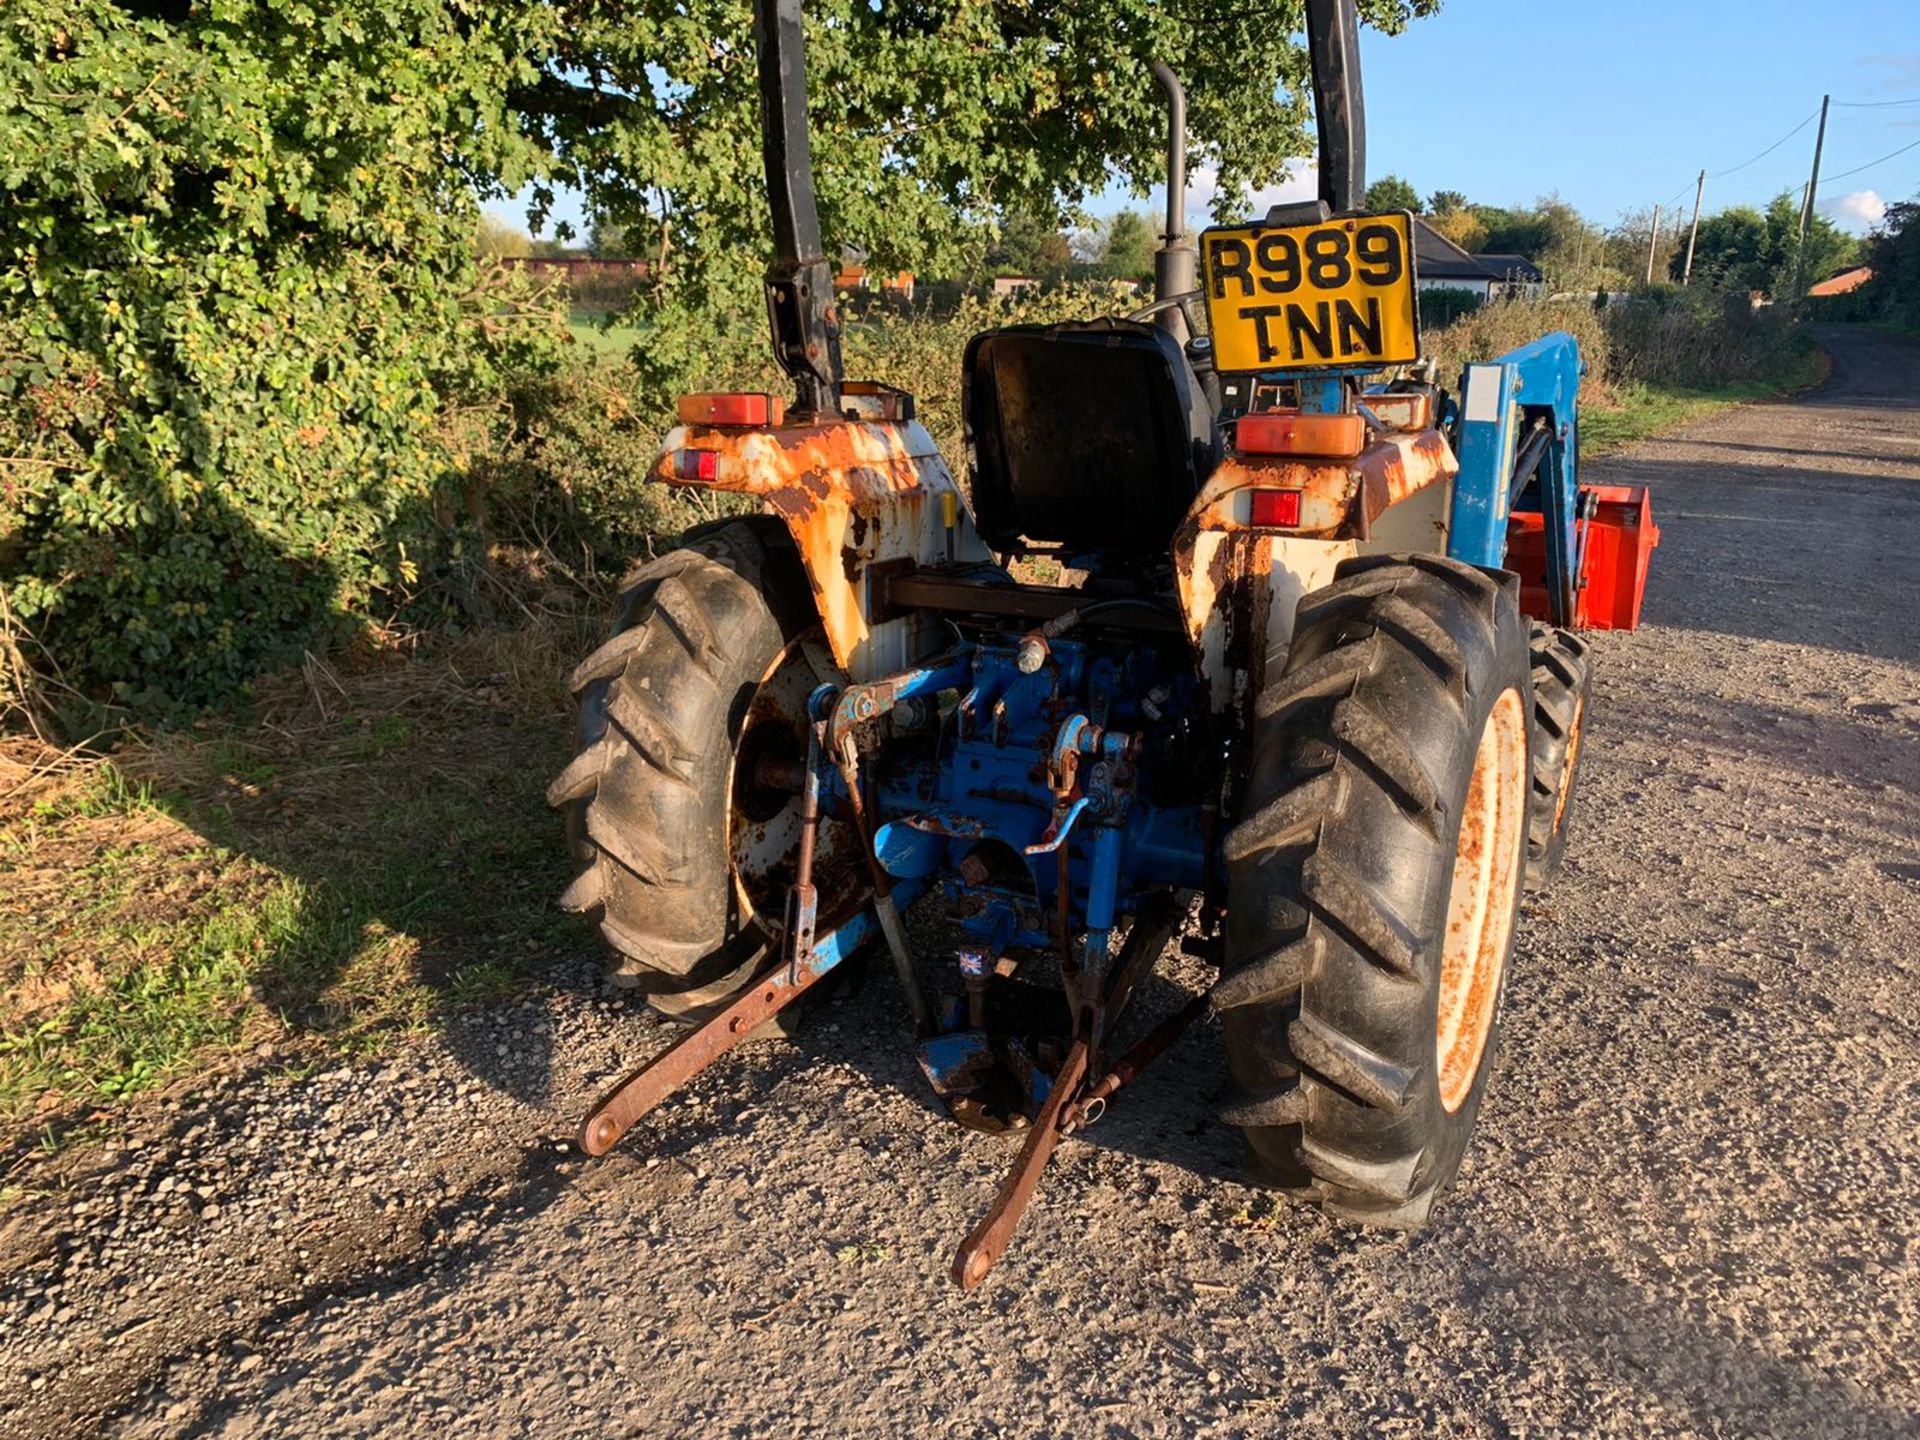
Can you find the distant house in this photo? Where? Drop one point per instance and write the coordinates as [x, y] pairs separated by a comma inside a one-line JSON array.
[[1004, 285], [1443, 265], [854, 275], [1845, 283]]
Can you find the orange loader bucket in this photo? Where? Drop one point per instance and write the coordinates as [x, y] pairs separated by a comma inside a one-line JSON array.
[[1617, 541]]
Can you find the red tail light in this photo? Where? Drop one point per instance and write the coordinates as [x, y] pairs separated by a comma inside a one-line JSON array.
[[696, 464], [1276, 509], [711, 408]]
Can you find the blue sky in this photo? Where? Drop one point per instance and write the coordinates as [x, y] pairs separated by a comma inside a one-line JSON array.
[[1618, 104], [1625, 101]]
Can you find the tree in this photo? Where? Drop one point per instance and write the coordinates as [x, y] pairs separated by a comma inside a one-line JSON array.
[[1550, 233], [1626, 246], [1462, 227], [1746, 249], [1731, 251], [1571, 251], [1894, 253], [929, 121], [1828, 247], [1446, 202], [1126, 247], [1029, 244], [239, 298], [1390, 192], [497, 239], [607, 240]]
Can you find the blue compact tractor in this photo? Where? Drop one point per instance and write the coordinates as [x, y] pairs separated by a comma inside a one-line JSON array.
[[1291, 713]]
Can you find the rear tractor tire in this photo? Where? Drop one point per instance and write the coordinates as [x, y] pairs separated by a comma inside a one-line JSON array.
[[1562, 680], [680, 844], [1374, 884]]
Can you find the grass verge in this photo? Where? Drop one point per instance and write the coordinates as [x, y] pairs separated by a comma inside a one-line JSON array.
[[1646, 410], [601, 341], [368, 848]]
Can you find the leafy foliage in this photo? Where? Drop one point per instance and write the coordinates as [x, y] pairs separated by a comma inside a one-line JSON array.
[[1550, 234], [1693, 340], [1126, 247], [1027, 243], [1747, 249], [239, 301], [1894, 253], [1391, 192], [928, 121], [497, 239], [1441, 305], [1461, 226]]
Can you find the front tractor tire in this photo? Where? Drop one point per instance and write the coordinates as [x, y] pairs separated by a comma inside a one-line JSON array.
[[660, 814], [1374, 884], [1562, 681]]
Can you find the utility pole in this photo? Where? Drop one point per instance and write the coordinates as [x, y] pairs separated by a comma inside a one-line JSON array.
[[1653, 243], [1686, 275], [1806, 208]]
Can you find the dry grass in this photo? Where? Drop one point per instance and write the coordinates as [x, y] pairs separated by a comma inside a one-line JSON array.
[[367, 848]]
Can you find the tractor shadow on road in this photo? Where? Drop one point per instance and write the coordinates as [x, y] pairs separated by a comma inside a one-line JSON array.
[[1864, 746]]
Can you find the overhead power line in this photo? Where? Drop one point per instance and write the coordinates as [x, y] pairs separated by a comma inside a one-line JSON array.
[[1733, 169], [1718, 174], [1876, 104], [1871, 163]]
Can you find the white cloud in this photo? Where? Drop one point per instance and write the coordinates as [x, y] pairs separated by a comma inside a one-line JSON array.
[[1203, 186], [1860, 211]]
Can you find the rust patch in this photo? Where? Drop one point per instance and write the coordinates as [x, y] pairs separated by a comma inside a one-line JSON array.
[[1339, 500], [846, 490], [1224, 567]]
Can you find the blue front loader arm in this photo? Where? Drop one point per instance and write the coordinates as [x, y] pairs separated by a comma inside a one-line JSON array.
[[1517, 419]]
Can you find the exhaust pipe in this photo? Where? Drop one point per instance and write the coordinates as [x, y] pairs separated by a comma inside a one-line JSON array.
[[1176, 267]]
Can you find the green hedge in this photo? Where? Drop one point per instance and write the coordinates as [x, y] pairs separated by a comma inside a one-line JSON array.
[[239, 308]]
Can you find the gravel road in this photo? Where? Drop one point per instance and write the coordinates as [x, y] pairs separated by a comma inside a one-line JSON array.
[[1691, 1209]]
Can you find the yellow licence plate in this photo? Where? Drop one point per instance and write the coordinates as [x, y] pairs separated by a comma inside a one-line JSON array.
[[1307, 297]]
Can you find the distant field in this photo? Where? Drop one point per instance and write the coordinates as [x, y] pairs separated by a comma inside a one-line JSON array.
[[592, 332]]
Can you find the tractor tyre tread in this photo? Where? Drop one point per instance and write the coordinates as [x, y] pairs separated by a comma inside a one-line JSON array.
[[1562, 682], [646, 797], [1359, 754]]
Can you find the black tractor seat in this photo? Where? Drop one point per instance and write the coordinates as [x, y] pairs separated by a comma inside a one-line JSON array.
[[1092, 436]]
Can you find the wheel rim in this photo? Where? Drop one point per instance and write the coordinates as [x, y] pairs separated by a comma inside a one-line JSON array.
[[1565, 791], [763, 825], [1486, 876]]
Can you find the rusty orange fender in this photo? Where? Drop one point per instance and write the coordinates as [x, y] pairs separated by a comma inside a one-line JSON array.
[[855, 495], [1239, 583], [1339, 499]]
